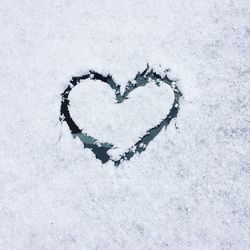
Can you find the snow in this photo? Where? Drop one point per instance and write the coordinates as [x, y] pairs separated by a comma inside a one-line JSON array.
[[188, 190], [95, 110]]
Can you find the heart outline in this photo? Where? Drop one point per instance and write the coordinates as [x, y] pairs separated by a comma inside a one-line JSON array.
[[141, 79]]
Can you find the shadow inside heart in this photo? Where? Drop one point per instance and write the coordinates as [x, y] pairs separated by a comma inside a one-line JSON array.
[[141, 79]]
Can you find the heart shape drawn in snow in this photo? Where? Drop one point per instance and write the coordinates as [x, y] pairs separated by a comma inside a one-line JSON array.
[[152, 111]]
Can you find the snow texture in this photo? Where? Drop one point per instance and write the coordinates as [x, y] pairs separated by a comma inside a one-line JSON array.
[[189, 189]]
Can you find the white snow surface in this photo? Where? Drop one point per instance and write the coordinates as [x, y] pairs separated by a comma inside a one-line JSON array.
[[95, 110], [188, 190]]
